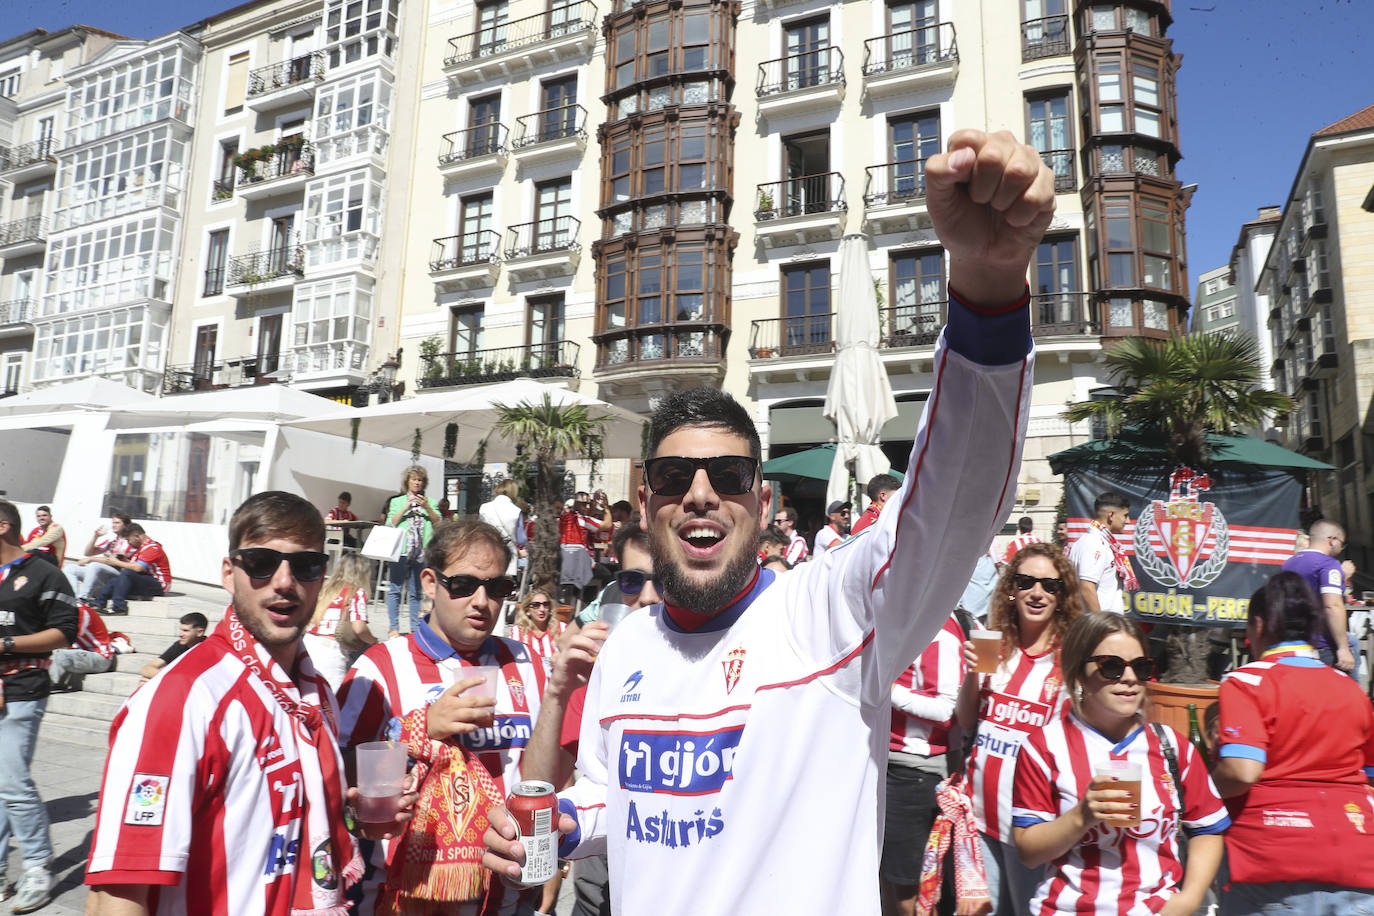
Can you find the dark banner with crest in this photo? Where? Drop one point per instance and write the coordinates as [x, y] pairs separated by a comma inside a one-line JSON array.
[[1200, 543]]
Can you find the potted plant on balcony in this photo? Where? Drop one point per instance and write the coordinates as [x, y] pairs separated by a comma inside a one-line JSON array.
[[430, 348], [765, 210]]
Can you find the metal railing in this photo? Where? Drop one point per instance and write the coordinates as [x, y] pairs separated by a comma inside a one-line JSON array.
[[894, 182], [916, 324], [794, 196], [542, 236], [554, 359], [481, 140], [16, 311], [799, 335], [265, 266], [22, 154], [911, 49], [207, 375], [480, 247], [293, 160], [1064, 313], [1046, 37], [509, 36], [286, 73], [819, 67], [1060, 162], [551, 124], [28, 229]]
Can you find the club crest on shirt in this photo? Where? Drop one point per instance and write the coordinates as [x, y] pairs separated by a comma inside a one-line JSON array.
[[1355, 816], [147, 800], [733, 665], [19, 582], [517, 690]]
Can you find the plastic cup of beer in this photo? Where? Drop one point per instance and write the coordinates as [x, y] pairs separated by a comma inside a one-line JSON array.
[[1123, 777], [988, 645], [381, 769], [491, 676]]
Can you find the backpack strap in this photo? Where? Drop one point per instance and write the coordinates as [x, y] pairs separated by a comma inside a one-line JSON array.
[[1171, 758]]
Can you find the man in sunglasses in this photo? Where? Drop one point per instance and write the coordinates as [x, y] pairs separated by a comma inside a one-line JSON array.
[[733, 737], [225, 789]]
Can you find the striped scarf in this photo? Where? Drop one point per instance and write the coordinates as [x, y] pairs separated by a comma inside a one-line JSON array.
[[1119, 561], [954, 828]]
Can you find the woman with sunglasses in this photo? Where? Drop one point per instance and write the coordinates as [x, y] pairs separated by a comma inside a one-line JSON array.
[[1109, 850], [535, 623], [1297, 736], [1033, 604]]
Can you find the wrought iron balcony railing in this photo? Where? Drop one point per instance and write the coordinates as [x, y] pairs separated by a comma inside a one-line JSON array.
[[509, 36], [1063, 314], [24, 154], [1060, 162], [798, 335], [207, 375], [820, 67], [291, 159], [481, 247], [794, 196], [550, 124], [894, 183], [265, 266], [542, 236], [554, 359], [1046, 37], [481, 140], [28, 229], [16, 311], [286, 73], [911, 49], [916, 324]]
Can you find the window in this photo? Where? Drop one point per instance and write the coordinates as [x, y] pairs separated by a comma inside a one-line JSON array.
[[1156, 232], [355, 29], [558, 108], [552, 212], [47, 130], [224, 184], [484, 130], [1058, 292], [544, 322], [1050, 133], [1110, 113], [331, 320], [126, 338], [465, 331], [352, 117], [343, 218], [474, 224], [236, 82], [806, 306], [491, 27], [912, 35], [661, 301], [138, 91], [913, 139], [9, 83], [807, 52], [134, 172], [269, 344], [1120, 245], [1044, 29], [111, 264], [1145, 96], [12, 371], [917, 310], [203, 364], [216, 257]]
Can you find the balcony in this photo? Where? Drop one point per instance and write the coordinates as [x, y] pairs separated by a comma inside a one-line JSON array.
[[542, 249], [555, 359], [895, 196], [233, 373], [564, 33], [801, 335], [17, 311], [468, 261], [475, 150], [796, 211], [1065, 314], [19, 237], [1060, 162], [690, 351], [801, 83], [284, 170], [27, 161], [916, 324], [1047, 37], [335, 364], [287, 84], [912, 61], [550, 134], [263, 272]]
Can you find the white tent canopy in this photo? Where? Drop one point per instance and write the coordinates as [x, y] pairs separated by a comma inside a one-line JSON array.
[[91, 393], [250, 402], [474, 410]]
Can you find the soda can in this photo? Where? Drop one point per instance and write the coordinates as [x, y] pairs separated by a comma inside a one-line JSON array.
[[534, 809]]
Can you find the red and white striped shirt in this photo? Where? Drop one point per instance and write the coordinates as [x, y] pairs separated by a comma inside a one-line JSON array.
[[203, 795], [924, 696], [1019, 543], [356, 601], [154, 558], [542, 643], [1025, 694], [91, 633], [1113, 871], [796, 550]]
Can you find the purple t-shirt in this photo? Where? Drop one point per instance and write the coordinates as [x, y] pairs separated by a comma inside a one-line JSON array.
[[1326, 577]]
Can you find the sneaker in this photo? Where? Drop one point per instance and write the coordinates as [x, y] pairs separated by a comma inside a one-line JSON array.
[[33, 892], [6, 889]]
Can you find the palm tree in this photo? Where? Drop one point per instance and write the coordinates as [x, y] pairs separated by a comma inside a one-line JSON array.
[[1185, 388], [549, 432]]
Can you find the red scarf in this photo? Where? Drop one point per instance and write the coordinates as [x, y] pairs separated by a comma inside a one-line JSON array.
[[954, 830], [1123, 565]]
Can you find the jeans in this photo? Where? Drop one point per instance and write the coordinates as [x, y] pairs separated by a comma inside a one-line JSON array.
[[1328, 657], [1296, 898], [1011, 884], [398, 574], [77, 661], [86, 580], [117, 590], [20, 806]]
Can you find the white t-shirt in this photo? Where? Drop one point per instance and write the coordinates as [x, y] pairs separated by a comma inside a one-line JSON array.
[[1091, 556], [826, 538]]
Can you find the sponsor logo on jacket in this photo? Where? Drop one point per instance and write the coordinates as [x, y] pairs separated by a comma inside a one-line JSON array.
[[677, 762], [1016, 713], [504, 732]]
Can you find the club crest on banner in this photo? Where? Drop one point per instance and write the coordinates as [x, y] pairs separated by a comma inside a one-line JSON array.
[[1184, 542]]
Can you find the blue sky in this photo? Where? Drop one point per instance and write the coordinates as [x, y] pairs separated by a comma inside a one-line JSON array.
[[1258, 77]]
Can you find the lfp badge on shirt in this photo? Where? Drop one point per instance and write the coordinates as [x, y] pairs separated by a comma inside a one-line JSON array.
[[147, 799]]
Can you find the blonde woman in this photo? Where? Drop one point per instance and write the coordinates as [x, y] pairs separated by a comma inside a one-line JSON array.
[[535, 623], [506, 513], [340, 619], [416, 515]]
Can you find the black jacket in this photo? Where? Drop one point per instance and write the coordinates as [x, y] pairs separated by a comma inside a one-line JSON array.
[[34, 596]]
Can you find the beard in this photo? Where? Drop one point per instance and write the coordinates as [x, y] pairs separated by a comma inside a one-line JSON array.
[[711, 597]]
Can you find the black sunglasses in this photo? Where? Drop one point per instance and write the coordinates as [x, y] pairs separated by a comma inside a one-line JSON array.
[[263, 563], [730, 475], [500, 587], [1024, 583], [631, 581], [541, 604], [1113, 667]]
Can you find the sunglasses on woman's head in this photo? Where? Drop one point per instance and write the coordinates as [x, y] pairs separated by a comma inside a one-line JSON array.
[[263, 563], [631, 581], [730, 475], [1024, 583], [499, 587], [1113, 667]]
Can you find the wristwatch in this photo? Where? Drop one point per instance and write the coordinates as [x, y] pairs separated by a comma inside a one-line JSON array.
[[7, 644]]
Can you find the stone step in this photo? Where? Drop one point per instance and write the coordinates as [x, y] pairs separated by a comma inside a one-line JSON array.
[[152, 629], [77, 730], [113, 683], [86, 704], [134, 661]]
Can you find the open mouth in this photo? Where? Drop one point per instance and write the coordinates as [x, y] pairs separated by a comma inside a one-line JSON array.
[[701, 540], [283, 614]]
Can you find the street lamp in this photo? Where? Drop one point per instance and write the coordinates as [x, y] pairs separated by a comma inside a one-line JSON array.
[[383, 383]]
